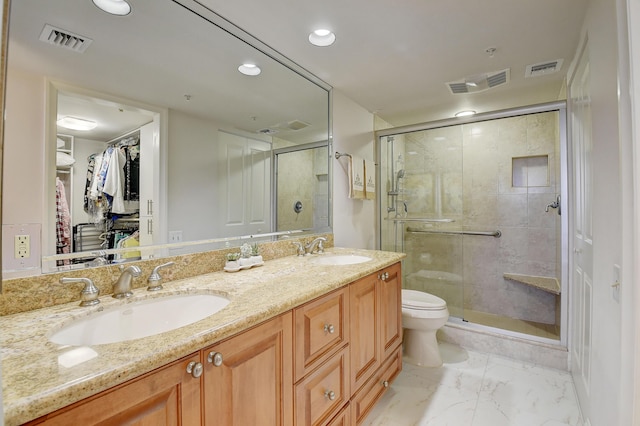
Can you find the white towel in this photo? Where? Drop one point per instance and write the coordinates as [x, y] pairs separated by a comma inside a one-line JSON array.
[[370, 180], [356, 178]]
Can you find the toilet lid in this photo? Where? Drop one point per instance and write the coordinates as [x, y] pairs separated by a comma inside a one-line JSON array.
[[420, 300]]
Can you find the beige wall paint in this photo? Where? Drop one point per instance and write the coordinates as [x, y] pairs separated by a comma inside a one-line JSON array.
[[353, 220]]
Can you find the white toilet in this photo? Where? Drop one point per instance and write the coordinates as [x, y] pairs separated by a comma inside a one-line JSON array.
[[422, 315]]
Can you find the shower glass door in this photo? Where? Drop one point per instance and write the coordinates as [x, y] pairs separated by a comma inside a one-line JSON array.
[[475, 208]]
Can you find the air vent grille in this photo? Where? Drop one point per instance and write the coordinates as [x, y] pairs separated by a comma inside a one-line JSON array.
[[497, 79], [479, 83], [65, 39], [543, 68], [458, 87]]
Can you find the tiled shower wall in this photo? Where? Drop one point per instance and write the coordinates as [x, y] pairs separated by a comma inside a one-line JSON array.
[[466, 174]]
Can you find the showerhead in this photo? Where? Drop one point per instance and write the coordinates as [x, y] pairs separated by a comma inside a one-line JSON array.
[[400, 174]]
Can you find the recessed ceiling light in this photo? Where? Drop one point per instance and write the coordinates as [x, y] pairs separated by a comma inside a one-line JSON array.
[[75, 123], [114, 7], [466, 113], [322, 38], [249, 69]]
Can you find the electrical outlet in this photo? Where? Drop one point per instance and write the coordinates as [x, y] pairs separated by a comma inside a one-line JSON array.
[[175, 236], [22, 247]]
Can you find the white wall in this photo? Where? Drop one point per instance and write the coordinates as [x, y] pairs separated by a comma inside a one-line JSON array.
[[23, 195], [353, 220], [193, 196]]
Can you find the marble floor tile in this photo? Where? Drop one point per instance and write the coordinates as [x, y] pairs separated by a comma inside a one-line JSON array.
[[476, 389]]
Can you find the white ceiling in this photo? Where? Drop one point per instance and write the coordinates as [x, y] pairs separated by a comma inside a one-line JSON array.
[[391, 58], [394, 58]]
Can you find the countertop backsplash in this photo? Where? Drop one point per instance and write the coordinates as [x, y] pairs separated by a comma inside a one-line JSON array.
[[30, 293]]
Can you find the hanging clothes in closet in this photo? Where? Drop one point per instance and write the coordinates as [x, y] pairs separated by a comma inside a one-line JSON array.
[[112, 183], [63, 221]]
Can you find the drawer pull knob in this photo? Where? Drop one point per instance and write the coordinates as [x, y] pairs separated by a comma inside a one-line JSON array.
[[195, 369], [385, 383], [330, 395], [329, 328], [215, 358]]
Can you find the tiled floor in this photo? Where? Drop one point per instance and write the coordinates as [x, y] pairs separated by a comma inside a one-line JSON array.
[[476, 389]]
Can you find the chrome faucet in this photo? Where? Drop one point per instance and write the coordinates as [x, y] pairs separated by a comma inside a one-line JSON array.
[[122, 287], [154, 278], [309, 248]]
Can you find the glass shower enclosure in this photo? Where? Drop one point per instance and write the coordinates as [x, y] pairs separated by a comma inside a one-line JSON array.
[[476, 206]]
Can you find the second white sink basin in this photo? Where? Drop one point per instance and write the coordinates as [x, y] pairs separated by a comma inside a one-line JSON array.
[[139, 319], [340, 259]]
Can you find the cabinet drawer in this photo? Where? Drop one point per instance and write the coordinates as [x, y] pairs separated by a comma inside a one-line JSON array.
[[324, 391], [343, 418], [321, 329], [375, 387]]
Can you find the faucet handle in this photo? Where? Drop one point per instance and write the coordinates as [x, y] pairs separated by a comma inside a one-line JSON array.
[[154, 278], [320, 246], [89, 294], [299, 247]]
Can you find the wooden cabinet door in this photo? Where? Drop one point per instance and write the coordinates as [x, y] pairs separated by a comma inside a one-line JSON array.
[[321, 329], [390, 289], [253, 383], [323, 392], [365, 399], [364, 329], [167, 396]]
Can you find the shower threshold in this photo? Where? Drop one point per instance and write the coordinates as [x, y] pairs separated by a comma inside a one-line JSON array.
[[531, 328]]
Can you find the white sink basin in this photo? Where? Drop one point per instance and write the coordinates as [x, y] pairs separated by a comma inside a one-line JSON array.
[[139, 319], [340, 259]]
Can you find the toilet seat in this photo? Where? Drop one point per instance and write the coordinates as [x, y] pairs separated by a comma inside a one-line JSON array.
[[422, 301]]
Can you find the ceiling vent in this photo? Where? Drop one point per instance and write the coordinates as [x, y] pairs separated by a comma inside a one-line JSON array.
[[294, 125], [479, 83], [543, 68], [63, 38]]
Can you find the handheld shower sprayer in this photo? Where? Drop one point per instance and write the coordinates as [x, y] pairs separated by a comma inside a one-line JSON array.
[[399, 176]]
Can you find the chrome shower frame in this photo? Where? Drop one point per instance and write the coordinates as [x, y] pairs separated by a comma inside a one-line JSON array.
[[559, 106]]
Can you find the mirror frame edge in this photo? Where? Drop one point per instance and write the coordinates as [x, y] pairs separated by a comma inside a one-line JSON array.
[[4, 37]]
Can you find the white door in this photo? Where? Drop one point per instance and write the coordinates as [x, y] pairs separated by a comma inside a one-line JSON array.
[[149, 183], [581, 264], [245, 179]]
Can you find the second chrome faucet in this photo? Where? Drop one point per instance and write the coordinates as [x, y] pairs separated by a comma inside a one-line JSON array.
[[309, 248]]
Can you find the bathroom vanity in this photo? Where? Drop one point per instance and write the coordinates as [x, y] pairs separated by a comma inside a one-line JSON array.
[[300, 343]]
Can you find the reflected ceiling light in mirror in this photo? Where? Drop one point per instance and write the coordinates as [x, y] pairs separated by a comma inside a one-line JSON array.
[[114, 7], [466, 113], [75, 123], [249, 69], [322, 38]]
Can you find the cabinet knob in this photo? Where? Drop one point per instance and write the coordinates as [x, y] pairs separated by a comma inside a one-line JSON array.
[[215, 358], [330, 395], [385, 383], [195, 369], [329, 328]]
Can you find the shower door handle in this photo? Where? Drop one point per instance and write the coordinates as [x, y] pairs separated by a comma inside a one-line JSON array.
[[554, 205]]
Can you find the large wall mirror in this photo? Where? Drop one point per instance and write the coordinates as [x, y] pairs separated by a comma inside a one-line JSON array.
[[135, 136]]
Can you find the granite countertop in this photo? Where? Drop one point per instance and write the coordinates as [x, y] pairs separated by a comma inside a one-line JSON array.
[[36, 382]]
